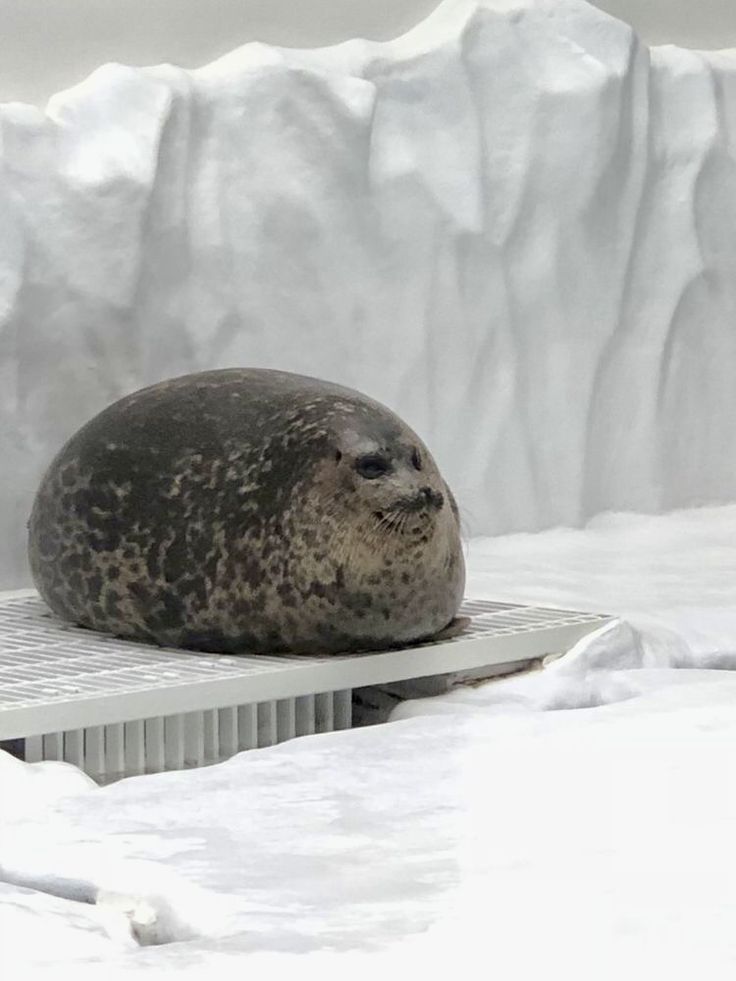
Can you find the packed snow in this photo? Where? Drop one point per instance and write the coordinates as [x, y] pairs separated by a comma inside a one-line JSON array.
[[514, 225], [570, 818]]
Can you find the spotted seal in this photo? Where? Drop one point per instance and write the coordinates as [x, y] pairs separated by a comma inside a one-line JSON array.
[[249, 510]]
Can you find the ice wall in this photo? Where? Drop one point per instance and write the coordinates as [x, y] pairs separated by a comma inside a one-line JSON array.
[[516, 225]]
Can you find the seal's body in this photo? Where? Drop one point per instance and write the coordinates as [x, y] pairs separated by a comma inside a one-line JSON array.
[[252, 511]]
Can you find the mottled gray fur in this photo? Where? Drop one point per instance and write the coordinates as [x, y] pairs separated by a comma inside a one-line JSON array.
[[241, 510]]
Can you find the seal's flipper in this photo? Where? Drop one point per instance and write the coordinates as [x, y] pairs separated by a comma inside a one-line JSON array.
[[453, 629]]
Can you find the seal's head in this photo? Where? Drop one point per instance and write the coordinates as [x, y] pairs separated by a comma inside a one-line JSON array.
[[389, 524], [392, 488], [393, 483]]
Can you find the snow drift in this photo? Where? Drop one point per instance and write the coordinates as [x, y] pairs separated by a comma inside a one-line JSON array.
[[515, 225]]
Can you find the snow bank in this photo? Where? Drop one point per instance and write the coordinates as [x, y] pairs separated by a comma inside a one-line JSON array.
[[515, 844], [28, 788], [515, 225]]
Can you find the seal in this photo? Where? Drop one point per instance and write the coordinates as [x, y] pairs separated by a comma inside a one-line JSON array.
[[249, 511]]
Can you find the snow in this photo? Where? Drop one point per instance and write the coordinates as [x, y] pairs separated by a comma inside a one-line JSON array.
[[574, 816], [513, 225], [61, 929]]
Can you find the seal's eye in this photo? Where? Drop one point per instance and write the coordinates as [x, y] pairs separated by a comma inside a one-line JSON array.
[[416, 460], [338, 456], [372, 465]]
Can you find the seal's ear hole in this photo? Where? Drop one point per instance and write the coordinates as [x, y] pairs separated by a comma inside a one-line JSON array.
[[372, 465], [416, 460], [338, 456]]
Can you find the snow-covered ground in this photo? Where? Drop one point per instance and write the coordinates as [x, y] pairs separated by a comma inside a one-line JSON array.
[[574, 822]]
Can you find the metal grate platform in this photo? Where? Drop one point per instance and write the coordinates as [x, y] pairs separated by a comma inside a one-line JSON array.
[[117, 708]]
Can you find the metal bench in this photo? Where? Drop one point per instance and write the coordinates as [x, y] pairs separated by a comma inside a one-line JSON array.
[[116, 708]]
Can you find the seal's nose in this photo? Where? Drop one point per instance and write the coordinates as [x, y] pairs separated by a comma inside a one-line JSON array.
[[431, 497]]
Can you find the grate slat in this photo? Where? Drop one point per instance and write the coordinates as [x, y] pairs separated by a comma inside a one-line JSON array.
[[285, 719], [342, 709], [267, 724], [115, 749], [324, 712], [211, 736], [94, 752], [304, 715], [228, 727], [247, 727], [134, 747], [74, 747], [194, 739], [174, 742], [154, 737]]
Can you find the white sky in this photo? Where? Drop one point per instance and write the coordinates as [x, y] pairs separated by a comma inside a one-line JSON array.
[[48, 45]]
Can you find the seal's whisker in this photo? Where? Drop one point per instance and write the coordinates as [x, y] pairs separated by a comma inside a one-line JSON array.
[[388, 521]]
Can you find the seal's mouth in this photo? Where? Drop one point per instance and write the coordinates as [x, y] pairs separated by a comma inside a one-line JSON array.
[[409, 512]]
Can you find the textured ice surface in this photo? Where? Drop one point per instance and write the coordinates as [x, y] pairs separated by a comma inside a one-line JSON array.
[[514, 225], [535, 826]]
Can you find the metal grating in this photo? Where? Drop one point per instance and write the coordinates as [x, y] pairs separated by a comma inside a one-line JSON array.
[[116, 707], [191, 739]]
